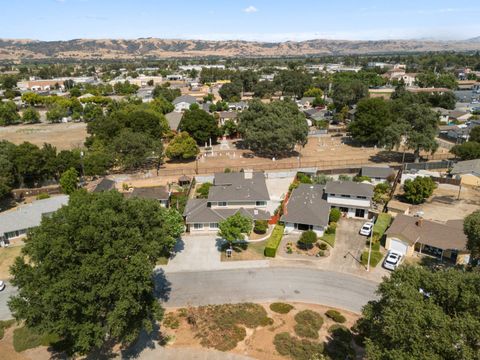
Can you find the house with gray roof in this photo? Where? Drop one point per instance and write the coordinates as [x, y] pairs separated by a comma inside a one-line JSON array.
[[15, 223], [173, 119], [158, 193], [468, 171], [244, 192], [352, 198], [306, 209], [377, 174], [183, 102]]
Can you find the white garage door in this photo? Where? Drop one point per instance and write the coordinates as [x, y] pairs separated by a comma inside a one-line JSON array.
[[398, 246]]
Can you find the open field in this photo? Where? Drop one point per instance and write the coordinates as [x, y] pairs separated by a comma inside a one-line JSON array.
[[63, 136]]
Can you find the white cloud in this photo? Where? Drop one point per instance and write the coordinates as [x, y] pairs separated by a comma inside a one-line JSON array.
[[250, 9]]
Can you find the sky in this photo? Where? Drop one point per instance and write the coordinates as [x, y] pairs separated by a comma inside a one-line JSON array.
[[259, 20]]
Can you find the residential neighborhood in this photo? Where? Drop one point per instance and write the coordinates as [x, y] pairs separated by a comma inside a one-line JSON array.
[[216, 180]]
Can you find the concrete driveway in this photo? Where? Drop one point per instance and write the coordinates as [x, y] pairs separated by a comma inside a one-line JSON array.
[[349, 245], [201, 253], [4, 297], [277, 189]]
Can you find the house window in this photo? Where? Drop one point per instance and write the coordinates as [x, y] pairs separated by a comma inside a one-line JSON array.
[[261, 203], [213, 225], [361, 197], [359, 213], [222, 203], [345, 196], [198, 226]]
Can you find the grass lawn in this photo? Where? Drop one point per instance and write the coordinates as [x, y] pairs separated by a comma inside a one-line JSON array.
[[329, 239], [245, 251], [7, 257], [5, 324], [162, 260], [25, 338], [375, 258]]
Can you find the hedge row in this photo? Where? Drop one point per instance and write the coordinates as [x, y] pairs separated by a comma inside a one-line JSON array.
[[274, 241], [381, 225]]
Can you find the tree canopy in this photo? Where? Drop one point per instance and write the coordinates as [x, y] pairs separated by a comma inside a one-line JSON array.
[[422, 314], [235, 227], [418, 189], [182, 147], [69, 180], [469, 150], [471, 227], [273, 129], [200, 125], [85, 274]]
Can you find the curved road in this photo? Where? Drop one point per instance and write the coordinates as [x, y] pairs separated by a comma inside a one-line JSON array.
[[329, 288], [255, 285]]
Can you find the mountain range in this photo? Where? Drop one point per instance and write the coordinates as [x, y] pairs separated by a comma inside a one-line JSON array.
[[155, 48]]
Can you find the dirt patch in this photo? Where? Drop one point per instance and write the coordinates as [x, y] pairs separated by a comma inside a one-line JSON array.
[[63, 136], [245, 251], [7, 352], [258, 342]]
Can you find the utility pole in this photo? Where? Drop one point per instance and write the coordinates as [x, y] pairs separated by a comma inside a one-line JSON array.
[[370, 245]]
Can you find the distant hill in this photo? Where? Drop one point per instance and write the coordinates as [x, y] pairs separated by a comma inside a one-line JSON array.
[[165, 48], [475, 39]]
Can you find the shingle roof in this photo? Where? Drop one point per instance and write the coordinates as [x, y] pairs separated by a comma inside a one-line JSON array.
[[154, 192], [467, 167], [30, 215], [349, 188], [174, 119], [447, 236], [236, 187], [307, 206], [377, 172], [197, 211], [104, 185], [184, 98]]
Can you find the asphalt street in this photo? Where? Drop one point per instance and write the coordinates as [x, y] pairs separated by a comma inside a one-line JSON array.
[[194, 288]]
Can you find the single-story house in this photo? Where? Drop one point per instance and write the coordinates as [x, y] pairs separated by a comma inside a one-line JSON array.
[[352, 198], [224, 116], [305, 102], [306, 209], [409, 234], [104, 185], [395, 207], [377, 174], [460, 116], [183, 102], [159, 193], [244, 192], [468, 171], [444, 114], [15, 223]]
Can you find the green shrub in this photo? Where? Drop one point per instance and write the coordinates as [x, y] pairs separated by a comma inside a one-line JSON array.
[[419, 189], [322, 246], [335, 215], [306, 331], [359, 178], [329, 239], [375, 258], [343, 177], [304, 178], [307, 239], [297, 349], [309, 317], [332, 228], [336, 316], [274, 241], [42, 196], [340, 332], [260, 226], [381, 225], [339, 347], [266, 321], [171, 321], [203, 190], [281, 308]]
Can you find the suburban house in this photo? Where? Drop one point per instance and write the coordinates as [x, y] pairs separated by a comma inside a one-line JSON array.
[[183, 102], [377, 174], [305, 103], [306, 209], [239, 106], [459, 116], [173, 119], [468, 171], [353, 199], [409, 234], [104, 185], [444, 114], [243, 192], [158, 193], [227, 115], [17, 222]]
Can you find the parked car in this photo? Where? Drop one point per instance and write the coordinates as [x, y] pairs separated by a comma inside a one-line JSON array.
[[366, 229], [392, 260], [2, 285]]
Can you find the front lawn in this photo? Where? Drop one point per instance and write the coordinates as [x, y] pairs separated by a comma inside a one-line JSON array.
[[25, 338], [7, 257], [375, 258], [244, 251], [329, 239]]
